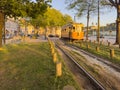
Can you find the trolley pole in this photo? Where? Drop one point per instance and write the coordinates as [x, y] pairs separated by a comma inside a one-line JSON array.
[[98, 32], [74, 19]]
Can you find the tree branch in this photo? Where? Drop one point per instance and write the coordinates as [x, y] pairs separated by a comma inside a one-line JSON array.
[[113, 2]]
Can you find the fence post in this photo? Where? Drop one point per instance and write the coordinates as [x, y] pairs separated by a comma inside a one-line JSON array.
[[108, 44], [88, 46], [53, 50], [97, 48], [81, 44], [112, 53], [58, 69], [54, 57]]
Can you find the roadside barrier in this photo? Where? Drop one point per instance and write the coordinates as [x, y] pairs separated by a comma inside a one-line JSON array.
[[109, 44], [58, 69], [88, 46], [106, 50], [112, 53], [54, 57], [57, 63], [97, 48]]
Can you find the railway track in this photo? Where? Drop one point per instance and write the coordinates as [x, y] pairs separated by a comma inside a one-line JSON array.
[[108, 63], [93, 83]]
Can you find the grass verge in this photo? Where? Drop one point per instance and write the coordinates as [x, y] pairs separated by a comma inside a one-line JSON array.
[[30, 67], [104, 51]]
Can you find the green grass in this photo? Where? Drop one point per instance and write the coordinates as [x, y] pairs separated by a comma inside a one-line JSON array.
[[30, 67]]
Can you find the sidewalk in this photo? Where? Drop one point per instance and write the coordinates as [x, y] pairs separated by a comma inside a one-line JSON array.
[[19, 39], [39, 39]]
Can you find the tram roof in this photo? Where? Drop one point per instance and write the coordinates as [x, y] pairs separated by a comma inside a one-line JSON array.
[[72, 23]]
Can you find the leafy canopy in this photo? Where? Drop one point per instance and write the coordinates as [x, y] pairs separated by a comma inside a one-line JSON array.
[[81, 6], [21, 8], [52, 17]]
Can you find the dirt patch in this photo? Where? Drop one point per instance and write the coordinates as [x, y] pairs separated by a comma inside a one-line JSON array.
[[68, 87]]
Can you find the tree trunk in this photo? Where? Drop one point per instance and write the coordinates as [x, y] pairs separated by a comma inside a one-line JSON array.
[[1, 27], [4, 28], [46, 30], [88, 15], [118, 26]]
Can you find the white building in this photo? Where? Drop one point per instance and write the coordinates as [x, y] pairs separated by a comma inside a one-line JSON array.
[[11, 26]]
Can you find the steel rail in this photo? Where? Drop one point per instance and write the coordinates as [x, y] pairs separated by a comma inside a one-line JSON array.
[[115, 67], [97, 84], [105, 61]]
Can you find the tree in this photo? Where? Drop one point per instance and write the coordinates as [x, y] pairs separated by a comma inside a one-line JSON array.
[[66, 19], [115, 4], [51, 18], [55, 17], [83, 7], [80, 6], [20, 8]]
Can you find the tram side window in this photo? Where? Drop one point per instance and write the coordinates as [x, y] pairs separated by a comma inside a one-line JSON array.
[[66, 30], [69, 28], [73, 29]]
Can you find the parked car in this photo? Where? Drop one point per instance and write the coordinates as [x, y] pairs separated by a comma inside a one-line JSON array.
[[101, 36], [50, 35], [8, 36]]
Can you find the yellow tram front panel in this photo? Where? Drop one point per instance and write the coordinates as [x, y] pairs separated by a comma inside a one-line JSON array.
[[76, 35], [77, 31], [72, 31]]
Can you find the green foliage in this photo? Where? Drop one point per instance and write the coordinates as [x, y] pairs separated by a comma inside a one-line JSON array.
[[18, 8], [66, 19], [82, 6], [21, 8], [52, 17]]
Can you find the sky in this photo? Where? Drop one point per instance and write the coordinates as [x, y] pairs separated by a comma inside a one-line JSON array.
[[105, 18]]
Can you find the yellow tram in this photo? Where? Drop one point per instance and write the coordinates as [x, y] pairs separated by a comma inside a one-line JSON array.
[[73, 31]]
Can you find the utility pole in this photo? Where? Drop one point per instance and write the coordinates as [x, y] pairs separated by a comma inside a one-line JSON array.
[[88, 14], [98, 32]]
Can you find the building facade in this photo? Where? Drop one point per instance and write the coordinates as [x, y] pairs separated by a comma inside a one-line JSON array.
[[12, 27]]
